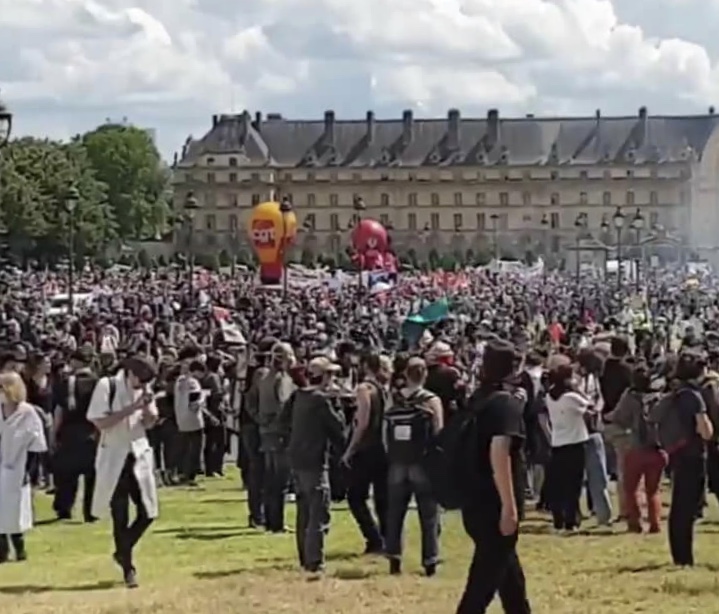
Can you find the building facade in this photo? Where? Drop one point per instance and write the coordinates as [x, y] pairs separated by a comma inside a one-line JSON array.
[[455, 184]]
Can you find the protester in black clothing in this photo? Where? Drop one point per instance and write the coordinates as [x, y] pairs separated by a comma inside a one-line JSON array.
[[616, 376], [491, 516], [365, 456], [75, 437], [214, 453], [687, 459], [444, 379]]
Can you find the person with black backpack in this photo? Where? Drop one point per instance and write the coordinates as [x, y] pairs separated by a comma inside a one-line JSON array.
[[410, 427], [491, 446], [76, 438]]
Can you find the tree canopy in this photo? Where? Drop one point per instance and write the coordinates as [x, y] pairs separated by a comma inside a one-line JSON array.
[[126, 160], [117, 175]]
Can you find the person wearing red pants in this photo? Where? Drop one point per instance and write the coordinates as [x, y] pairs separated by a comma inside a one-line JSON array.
[[644, 457]]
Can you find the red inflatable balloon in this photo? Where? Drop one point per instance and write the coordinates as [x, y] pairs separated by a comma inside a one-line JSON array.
[[369, 235]]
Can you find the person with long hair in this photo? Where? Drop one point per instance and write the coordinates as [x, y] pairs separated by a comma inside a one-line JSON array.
[[567, 408], [21, 439]]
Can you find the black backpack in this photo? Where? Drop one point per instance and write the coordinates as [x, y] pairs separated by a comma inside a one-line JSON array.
[[407, 432], [452, 463]]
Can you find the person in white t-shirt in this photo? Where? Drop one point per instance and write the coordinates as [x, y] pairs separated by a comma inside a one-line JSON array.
[[567, 410]]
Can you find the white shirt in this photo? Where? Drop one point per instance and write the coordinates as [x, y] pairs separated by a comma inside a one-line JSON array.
[[128, 434], [566, 414]]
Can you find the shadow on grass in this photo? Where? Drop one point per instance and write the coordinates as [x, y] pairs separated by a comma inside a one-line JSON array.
[[354, 573], [259, 570], [205, 529], [204, 536], [33, 589]]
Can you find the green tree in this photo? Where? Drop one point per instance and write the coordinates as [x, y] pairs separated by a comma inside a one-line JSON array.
[[126, 159], [36, 179], [225, 258], [434, 259], [307, 258], [412, 257], [143, 259]]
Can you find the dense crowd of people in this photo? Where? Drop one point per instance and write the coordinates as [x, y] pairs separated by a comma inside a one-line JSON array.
[[518, 388]]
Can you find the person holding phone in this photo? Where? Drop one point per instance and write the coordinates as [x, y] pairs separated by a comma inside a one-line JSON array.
[[122, 408]]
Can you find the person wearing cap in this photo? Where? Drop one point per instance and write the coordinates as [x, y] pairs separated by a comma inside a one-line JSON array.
[[443, 377], [315, 426], [490, 516], [122, 408], [273, 390]]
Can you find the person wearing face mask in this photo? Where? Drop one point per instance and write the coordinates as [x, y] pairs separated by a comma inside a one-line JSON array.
[[315, 427], [122, 408]]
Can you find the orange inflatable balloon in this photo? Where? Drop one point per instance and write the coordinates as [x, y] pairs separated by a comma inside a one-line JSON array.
[[271, 233]]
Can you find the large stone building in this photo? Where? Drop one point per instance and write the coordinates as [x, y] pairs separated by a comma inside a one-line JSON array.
[[459, 184]]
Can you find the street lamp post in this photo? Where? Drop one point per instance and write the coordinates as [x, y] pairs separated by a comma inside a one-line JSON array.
[[233, 252], [191, 206], [285, 209], [605, 231], [359, 207], [71, 199], [618, 222], [581, 225], [545, 227], [638, 226], [495, 246], [5, 124]]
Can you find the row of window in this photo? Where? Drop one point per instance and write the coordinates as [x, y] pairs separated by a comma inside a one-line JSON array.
[[496, 222], [459, 199], [460, 175]]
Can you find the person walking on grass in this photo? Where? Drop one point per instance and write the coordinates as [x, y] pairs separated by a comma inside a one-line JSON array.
[[123, 408]]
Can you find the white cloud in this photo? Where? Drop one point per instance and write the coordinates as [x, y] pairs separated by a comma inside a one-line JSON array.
[[172, 63]]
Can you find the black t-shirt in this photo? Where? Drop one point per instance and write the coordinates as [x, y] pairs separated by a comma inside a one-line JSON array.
[[501, 415], [689, 404]]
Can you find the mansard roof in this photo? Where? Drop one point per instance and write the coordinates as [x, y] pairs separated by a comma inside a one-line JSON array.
[[453, 140]]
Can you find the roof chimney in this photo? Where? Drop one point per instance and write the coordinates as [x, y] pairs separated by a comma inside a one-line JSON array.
[[330, 127], [453, 128], [642, 113], [370, 126], [215, 120], [711, 110], [258, 121], [407, 126], [492, 128]]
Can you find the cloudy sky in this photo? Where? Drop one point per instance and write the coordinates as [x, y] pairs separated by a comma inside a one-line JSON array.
[[169, 64]]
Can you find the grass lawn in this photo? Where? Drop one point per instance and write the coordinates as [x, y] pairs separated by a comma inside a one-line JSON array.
[[201, 558]]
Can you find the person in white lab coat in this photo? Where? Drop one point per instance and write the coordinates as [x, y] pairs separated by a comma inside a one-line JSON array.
[[122, 408], [21, 439]]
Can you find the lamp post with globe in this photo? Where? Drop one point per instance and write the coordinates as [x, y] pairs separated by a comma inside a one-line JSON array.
[[618, 220]]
